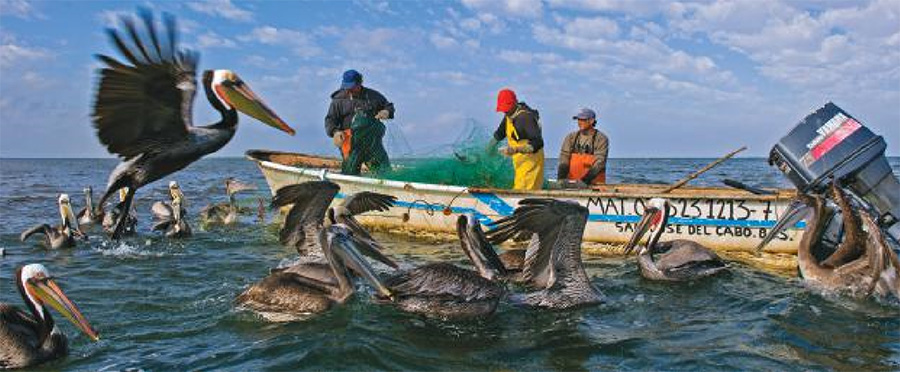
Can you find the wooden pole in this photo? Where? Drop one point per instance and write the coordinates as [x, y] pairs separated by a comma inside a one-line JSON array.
[[709, 166]]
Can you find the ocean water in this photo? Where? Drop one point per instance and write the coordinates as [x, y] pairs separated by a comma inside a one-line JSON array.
[[165, 305]]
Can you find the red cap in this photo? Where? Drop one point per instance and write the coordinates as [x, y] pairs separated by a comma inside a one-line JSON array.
[[506, 100]]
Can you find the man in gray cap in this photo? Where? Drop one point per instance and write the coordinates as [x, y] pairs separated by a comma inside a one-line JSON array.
[[582, 158]]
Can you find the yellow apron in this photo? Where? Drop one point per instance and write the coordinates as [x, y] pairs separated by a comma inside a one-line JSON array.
[[529, 167]]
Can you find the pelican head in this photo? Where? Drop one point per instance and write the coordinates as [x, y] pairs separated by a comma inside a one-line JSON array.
[[341, 247], [178, 201], [655, 217], [39, 289], [68, 216], [123, 192], [796, 211], [475, 244], [232, 93]]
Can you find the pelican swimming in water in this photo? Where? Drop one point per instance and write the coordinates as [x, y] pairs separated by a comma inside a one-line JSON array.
[[675, 260], [143, 107], [30, 338], [311, 202], [865, 264], [171, 217], [87, 216], [62, 236], [115, 217], [553, 267], [225, 213], [301, 290]]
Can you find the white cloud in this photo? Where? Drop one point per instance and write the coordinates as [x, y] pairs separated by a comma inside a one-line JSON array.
[[13, 52], [299, 43], [222, 8], [443, 42], [592, 28], [379, 41], [212, 40], [521, 57], [19, 8], [515, 8]]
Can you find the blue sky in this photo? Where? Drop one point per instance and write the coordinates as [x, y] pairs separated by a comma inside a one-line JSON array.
[[669, 79]]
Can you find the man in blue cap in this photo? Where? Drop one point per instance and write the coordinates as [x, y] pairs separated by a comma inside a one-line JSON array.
[[582, 157], [354, 123]]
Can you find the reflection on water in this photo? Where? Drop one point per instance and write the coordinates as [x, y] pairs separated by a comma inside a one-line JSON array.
[[167, 305]]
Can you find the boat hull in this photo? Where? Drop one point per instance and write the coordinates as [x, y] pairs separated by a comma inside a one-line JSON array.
[[720, 218]]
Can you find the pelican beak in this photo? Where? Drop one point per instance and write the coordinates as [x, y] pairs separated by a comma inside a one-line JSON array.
[[351, 257], [795, 212], [475, 245], [47, 290], [641, 228], [244, 100], [68, 217]]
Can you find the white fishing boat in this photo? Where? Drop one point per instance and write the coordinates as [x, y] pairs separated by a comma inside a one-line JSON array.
[[725, 219]]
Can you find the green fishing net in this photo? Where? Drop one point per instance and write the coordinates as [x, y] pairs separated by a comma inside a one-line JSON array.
[[366, 146], [464, 162]]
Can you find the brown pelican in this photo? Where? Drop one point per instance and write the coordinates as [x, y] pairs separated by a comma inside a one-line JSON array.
[[128, 223], [876, 270], [62, 236], [87, 216], [677, 260], [477, 246], [30, 339], [303, 289], [225, 213], [553, 266], [310, 204], [171, 217], [143, 108]]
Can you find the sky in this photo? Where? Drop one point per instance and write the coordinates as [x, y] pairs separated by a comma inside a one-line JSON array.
[[668, 78]]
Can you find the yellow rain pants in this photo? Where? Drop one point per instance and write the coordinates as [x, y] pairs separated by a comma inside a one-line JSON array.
[[529, 167]]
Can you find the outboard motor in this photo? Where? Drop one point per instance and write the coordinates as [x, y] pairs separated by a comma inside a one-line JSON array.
[[829, 144]]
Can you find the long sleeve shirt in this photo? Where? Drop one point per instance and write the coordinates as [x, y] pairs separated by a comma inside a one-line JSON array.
[[344, 105], [577, 142], [526, 124]]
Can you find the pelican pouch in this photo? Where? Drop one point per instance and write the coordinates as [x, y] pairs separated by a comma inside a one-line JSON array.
[[830, 144]]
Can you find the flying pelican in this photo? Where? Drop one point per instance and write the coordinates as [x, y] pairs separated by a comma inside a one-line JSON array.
[[171, 217], [311, 202], [143, 108], [225, 213], [86, 216], [113, 219], [30, 339], [62, 236], [553, 266], [677, 260], [301, 290], [876, 270]]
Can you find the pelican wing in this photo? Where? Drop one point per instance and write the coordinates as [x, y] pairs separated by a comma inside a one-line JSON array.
[[233, 186], [367, 201], [144, 103], [36, 229], [443, 280], [304, 221], [18, 334], [163, 216], [555, 225]]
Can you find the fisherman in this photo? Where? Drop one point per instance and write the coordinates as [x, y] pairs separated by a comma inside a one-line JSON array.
[[582, 158], [354, 122], [525, 145]]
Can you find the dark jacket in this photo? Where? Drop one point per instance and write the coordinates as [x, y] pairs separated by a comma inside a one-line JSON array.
[[343, 106], [525, 120]]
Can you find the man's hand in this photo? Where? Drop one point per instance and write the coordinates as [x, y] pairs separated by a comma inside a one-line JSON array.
[[506, 151], [383, 114], [338, 138], [576, 184]]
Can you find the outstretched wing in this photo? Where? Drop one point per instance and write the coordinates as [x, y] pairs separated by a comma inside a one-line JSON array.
[[36, 229], [145, 102], [304, 221], [367, 201], [557, 227]]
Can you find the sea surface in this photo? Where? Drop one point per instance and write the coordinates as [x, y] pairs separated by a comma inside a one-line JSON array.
[[163, 305]]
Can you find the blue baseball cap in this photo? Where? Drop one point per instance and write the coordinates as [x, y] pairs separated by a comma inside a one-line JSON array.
[[585, 113], [351, 79]]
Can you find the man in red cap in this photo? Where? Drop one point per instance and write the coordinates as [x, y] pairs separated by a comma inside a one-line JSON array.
[[525, 145]]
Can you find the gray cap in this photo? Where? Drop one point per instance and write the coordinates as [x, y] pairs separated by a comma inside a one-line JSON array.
[[585, 113]]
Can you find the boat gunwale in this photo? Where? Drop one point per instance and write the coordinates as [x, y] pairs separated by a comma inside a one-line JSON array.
[[619, 190]]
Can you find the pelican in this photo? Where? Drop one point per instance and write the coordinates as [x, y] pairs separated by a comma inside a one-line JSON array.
[[115, 217], [552, 267], [62, 236], [171, 217], [225, 213], [311, 202], [143, 108], [875, 271], [677, 260], [301, 290], [30, 339], [506, 266], [86, 216]]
